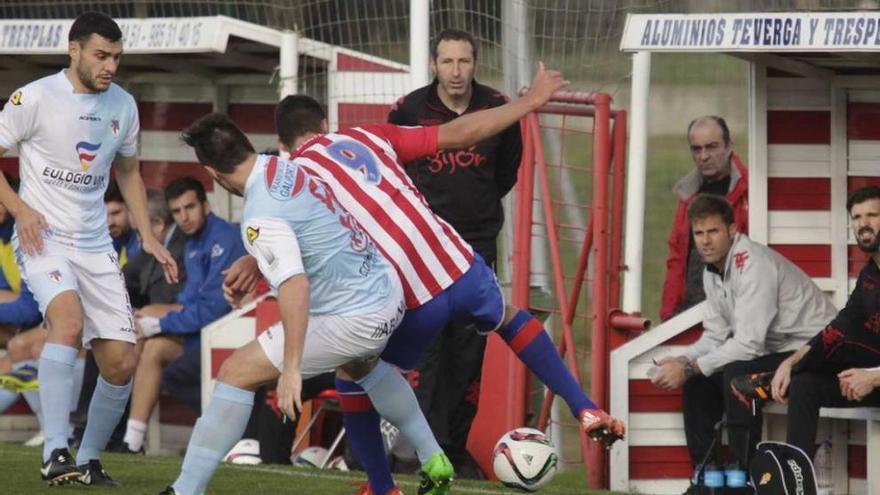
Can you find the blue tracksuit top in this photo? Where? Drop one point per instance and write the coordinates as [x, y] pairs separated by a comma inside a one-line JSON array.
[[206, 255]]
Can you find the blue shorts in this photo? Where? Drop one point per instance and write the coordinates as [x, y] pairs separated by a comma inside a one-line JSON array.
[[474, 298]]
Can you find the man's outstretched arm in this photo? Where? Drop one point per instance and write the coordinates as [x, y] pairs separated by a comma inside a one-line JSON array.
[[475, 127]]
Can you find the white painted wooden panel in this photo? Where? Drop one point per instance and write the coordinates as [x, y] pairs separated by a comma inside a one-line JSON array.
[[235, 333], [798, 93], [800, 227], [863, 96], [656, 429]]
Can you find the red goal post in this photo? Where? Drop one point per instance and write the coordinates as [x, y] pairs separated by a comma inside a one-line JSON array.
[[568, 208]]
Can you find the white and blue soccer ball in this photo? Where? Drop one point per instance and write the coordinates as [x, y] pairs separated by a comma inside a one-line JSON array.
[[246, 451], [524, 459]]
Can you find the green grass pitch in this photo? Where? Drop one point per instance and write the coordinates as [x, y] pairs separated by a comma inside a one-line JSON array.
[[143, 475]]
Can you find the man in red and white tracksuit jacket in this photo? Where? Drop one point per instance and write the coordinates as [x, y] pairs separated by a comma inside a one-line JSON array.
[[718, 171]]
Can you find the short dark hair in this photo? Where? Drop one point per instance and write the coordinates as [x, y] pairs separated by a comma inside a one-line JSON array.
[[725, 131], [179, 186], [113, 193], [861, 195], [451, 34], [297, 115], [218, 142], [707, 205], [94, 23]]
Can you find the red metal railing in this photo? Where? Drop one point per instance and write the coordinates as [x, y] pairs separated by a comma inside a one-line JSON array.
[[601, 246]]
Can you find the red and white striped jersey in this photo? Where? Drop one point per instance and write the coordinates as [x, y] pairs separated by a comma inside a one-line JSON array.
[[363, 167]]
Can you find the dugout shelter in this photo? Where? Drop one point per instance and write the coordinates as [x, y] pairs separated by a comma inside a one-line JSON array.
[[813, 137]]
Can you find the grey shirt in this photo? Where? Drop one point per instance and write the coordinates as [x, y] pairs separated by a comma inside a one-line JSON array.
[[761, 304]]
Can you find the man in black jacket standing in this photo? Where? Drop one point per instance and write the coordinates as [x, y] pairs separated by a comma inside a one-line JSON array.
[[464, 187]]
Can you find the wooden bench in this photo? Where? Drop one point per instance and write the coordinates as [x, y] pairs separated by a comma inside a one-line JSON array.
[[840, 436]]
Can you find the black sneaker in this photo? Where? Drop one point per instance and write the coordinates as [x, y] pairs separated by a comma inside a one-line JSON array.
[[93, 474], [752, 387], [59, 469], [169, 490]]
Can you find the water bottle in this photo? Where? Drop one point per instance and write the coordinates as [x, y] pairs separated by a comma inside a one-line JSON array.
[[822, 463], [713, 480], [734, 476]]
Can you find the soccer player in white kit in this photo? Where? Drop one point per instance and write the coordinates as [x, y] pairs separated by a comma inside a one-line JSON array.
[[70, 128]]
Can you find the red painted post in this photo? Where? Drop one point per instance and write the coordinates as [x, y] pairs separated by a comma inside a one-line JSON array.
[[598, 477]]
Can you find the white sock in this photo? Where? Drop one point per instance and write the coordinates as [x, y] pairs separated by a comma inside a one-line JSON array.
[[135, 431]]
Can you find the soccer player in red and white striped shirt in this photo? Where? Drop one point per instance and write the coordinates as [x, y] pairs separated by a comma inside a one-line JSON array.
[[443, 278], [361, 167]]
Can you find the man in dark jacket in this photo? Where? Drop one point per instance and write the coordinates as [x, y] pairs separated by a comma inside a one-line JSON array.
[[144, 277], [464, 187], [168, 333]]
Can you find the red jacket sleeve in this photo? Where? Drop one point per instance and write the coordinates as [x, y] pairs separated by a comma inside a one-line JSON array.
[[673, 286], [410, 143]]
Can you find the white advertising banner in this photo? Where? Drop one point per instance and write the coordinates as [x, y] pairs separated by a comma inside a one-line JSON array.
[[155, 35], [753, 32]]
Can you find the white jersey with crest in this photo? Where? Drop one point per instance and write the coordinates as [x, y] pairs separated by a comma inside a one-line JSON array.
[[363, 167], [292, 225], [67, 142]]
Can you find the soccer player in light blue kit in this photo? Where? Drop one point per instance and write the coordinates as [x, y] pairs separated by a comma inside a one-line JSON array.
[[70, 128], [339, 298]]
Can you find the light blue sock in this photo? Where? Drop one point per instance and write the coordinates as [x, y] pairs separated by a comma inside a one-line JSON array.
[[7, 399], [395, 401], [108, 404], [215, 433], [56, 379], [79, 369]]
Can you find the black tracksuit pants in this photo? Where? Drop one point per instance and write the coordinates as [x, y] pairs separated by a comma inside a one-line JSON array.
[[707, 398], [808, 392]]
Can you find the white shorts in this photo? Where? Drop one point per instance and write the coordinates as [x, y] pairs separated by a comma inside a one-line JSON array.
[[332, 340], [97, 279]]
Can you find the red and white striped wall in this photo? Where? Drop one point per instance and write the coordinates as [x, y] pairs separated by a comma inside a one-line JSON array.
[[812, 142], [238, 328], [803, 222], [166, 109]]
